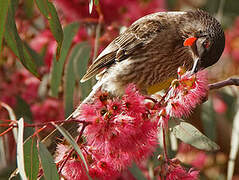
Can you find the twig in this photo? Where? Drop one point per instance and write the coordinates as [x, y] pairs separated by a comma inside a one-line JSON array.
[[227, 82], [165, 145], [220, 11], [56, 122], [14, 125], [97, 36], [4, 132]]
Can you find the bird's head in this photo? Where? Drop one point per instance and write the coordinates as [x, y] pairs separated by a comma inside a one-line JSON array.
[[207, 42]]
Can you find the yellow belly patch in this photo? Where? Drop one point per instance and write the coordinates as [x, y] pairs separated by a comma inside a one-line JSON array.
[[159, 86]]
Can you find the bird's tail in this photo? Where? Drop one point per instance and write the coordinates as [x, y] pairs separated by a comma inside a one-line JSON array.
[[95, 88]]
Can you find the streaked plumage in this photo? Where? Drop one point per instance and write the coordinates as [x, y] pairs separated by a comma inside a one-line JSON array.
[[151, 50]]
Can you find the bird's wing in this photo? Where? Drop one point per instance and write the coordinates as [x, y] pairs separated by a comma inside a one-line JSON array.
[[133, 39]]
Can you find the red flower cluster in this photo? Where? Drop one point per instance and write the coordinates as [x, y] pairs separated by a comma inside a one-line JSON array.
[[192, 156], [184, 94], [49, 110], [119, 133], [123, 11], [123, 130], [172, 170], [178, 172], [120, 130], [232, 41], [22, 84]]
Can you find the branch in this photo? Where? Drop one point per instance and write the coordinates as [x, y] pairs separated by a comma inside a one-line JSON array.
[[227, 82]]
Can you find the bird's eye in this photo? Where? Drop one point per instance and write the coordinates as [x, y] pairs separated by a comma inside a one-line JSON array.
[[206, 44]]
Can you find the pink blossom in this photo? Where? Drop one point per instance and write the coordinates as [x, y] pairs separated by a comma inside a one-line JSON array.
[[22, 84], [30, 92], [49, 110], [185, 93], [232, 41], [124, 10], [163, 118], [61, 152], [192, 156], [45, 39], [178, 172], [200, 160], [73, 170], [219, 105], [119, 129], [172, 170]]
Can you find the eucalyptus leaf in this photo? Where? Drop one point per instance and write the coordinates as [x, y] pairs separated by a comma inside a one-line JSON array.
[[70, 81], [191, 135], [47, 163], [55, 27], [208, 117], [57, 67], [136, 172], [3, 9], [28, 8], [96, 2], [37, 58], [14, 41], [20, 154], [43, 7], [91, 6], [22, 109], [12, 117], [80, 67], [49, 11], [31, 159], [234, 146]]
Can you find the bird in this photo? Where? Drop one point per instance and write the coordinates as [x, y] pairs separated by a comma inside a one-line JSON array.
[[149, 52]]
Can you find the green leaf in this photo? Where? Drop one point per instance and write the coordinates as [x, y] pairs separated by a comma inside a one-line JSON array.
[[191, 135], [234, 146], [22, 109], [14, 41], [4, 151], [55, 27], [28, 8], [208, 117], [91, 6], [43, 7], [56, 74], [3, 9], [20, 154], [38, 59], [47, 163], [70, 81], [75, 69], [49, 11], [71, 140], [81, 65], [31, 159], [136, 172], [96, 2]]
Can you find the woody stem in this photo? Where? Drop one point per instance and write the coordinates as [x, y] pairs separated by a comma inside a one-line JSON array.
[[165, 145]]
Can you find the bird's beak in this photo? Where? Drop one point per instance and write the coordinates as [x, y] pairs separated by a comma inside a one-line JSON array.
[[196, 65]]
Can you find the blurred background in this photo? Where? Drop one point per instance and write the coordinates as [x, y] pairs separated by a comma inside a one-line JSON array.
[[53, 95]]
